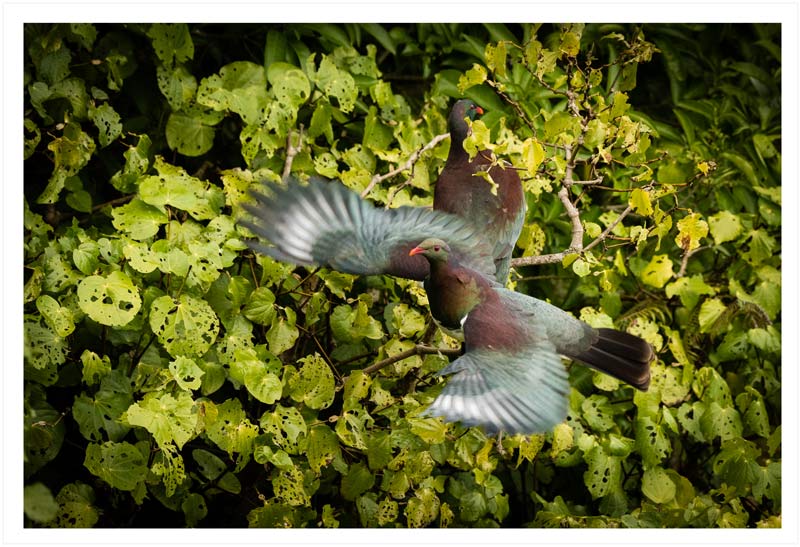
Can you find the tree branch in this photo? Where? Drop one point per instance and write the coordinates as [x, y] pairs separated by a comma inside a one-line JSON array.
[[416, 350], [291, 152], [685, 259], [610, 227], [412, 159]]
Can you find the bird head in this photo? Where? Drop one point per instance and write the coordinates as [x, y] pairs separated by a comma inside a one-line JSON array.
[[435, 250], [466, 108]]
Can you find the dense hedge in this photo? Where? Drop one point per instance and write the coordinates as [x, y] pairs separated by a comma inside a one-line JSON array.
[[166, 366]]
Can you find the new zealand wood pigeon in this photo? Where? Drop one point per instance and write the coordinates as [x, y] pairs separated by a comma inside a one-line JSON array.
[[511, 377], [500, 211]]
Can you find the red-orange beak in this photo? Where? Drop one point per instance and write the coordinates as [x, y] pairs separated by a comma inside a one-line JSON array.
[[479, 110], [416, 251]]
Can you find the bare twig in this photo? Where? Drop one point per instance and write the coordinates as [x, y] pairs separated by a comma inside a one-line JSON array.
[[610, 227], [416, 350], [685, 260], [291, 152], [412, 159]]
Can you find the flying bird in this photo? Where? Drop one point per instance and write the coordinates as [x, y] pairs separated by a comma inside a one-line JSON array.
[[510, 377]]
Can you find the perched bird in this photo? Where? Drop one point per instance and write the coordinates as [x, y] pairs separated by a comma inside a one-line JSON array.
[[511, 377], [500, 211]]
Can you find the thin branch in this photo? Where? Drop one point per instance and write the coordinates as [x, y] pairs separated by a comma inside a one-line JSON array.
[[416, 350], [592, 182], [412, 159], [291, 152], [610, 227], [685, 260]]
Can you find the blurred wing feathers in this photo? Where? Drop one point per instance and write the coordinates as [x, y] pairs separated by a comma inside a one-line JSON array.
[[326, 224]]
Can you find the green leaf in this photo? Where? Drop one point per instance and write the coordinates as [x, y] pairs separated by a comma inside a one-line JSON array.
[[121, 465], [169, 419], [195, 509], [603, 474], [725, 226], [240, 87], [658, 486], [108, 123], [289, 84], [322, 447], [356, 481], [336, 83], [598, 413], [112, 300], [720, 421], [104, 411], [689, 290], [756, 418], [657, 272], [423, 508], [640, 201], [651, 441], [75, 507], [287, 428], [263, 384], [94, 367], [691, 229], [171, 42], [352, 325], [736, 464], [209, 465], [762, 247], [138, 219], [137, 162], [282, 333], [174, 187], [232, 431], [58, 318], [177, 84], [472, 77], [191, 133], [38, 503], [314, 384], [710, 311], [71, 153], [187, 326], [186, 373]]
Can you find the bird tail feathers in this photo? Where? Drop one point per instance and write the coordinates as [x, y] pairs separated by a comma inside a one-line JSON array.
[[621, 355]]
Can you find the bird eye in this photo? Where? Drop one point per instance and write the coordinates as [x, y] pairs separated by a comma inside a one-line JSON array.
[[436, 248]]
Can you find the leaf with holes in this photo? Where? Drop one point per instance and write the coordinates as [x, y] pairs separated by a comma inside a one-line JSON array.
[[57, 317], [112, 300], [186, 373], [187, 327], [169, 419], [121, 465], [103, 412], [314, 383], [232, 431], [322, 447], [604, 472], [174, 187]]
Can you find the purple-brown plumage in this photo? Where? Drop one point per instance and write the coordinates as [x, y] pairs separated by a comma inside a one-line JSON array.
[[460, 191]]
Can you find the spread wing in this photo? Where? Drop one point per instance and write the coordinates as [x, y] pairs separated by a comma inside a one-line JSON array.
[[328, 225], [511, 377]]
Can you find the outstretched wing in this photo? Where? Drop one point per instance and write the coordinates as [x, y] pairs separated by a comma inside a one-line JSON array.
[[510, 379], [328, 225], [524, 393]]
